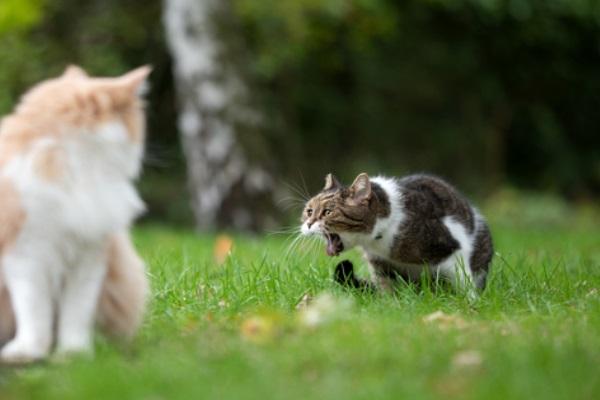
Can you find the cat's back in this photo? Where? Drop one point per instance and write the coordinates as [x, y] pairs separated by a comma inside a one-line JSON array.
[[430, 197]]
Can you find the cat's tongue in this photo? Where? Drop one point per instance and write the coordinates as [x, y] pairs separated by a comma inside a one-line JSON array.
[[334, 245]]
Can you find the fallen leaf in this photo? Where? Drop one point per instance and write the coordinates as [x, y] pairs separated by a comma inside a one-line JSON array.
[[509, 329], [222, 248], [324, 309], [445, 321], [189, 327], [304, 301], [452, 386], [467, 359], [259, 328]]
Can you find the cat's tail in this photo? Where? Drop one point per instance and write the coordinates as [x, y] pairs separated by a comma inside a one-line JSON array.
[[125, 289], [344, 275], [7, 318]]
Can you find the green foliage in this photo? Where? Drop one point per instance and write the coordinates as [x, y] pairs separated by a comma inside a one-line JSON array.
[[233, 331], [288, 31], [482, 91], [19, 15]]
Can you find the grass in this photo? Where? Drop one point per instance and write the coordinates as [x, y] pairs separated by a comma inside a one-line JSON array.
[[234, 331]]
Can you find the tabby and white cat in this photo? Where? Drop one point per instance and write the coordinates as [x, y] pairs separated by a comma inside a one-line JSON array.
[[405, 227], [69, 154]]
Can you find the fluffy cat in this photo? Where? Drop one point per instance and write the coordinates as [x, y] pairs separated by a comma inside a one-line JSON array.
[[69, 154], [405, 226]]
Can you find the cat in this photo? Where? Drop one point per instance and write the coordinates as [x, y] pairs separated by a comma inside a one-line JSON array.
[[405, 227], [69, 154]]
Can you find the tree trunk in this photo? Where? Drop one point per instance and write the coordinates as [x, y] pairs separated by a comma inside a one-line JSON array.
[[230, 184]]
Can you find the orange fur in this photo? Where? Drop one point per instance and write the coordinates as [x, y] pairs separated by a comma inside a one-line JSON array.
[[125, 289], [56, 106], [12, 217], [49, 164]]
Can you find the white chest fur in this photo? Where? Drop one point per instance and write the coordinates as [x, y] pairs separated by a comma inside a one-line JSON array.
[[379, 241], [93, 194]]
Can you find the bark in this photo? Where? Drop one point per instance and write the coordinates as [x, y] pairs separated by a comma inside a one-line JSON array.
[[230, 185]]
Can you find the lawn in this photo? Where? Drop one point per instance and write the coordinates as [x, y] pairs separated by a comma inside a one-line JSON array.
[[241, 329]]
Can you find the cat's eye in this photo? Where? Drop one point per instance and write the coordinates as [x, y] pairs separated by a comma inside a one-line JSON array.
[[309, 212], [327, 212]]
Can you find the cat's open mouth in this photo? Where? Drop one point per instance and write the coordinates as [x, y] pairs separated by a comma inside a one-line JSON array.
[[334, 244]]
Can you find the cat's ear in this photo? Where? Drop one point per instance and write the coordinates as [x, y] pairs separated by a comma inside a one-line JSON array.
[[331, 183], [74, 71], [126, 88], [134, 81], [360, 190]]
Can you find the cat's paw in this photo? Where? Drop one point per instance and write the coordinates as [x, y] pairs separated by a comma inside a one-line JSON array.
[[74, 346], [344, 273], [18, 352], [64, 356]]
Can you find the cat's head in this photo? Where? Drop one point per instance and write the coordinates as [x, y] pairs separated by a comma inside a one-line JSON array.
[[79, 100], [340, 212], [76, 105]]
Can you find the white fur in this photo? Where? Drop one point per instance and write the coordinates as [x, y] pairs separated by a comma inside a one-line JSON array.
[[457, 268], [479, 277], [314, 229], [387, 227], [56, 266]]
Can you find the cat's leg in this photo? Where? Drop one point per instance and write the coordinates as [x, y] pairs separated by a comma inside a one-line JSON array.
[[78, 303], [481, 256], [30, 289], [386, 275], [457, 267], [457, 270], [345, 276]]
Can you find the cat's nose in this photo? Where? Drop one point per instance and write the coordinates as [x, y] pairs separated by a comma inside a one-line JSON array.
[[310, 223]]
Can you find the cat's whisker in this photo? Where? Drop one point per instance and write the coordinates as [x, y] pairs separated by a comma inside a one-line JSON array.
[[291, 199], [303, 247], [284, 231], [296, 190], [288, 242], [304, 186], [157, 157], [314, 243], [308, 247], [292, 246], [290, 202]]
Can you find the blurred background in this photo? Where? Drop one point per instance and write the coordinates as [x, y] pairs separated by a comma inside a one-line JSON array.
[[252, 102]]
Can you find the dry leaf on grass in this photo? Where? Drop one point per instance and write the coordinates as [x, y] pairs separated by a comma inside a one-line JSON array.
[[222, 248], [458, 382], [324, 309], [445, 321], [467, 359], [453, 386], [304, 301], [223, 304], [259, 328]]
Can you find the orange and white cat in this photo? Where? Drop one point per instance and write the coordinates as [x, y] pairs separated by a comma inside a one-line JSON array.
[[69, 155]]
